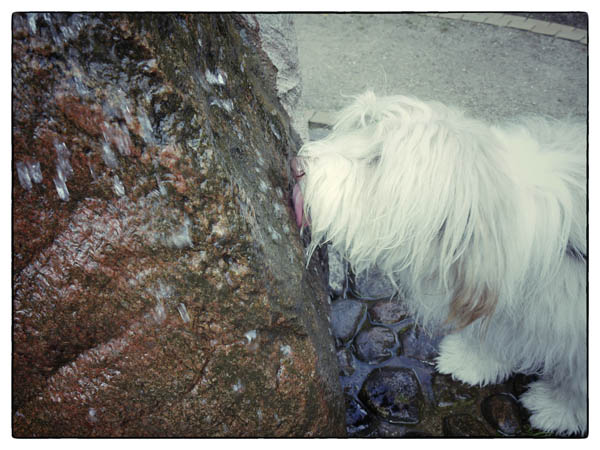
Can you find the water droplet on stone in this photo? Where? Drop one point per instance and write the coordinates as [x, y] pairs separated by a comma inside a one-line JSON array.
[[183, 312], [61, 189], [35, 171], [250, 335], [109, 157], [23, 175], [118, 186]]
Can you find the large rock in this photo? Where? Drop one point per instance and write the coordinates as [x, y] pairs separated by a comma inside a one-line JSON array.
[[160, 287]]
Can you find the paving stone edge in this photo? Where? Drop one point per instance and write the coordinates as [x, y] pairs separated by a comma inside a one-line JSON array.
[[522, 23]]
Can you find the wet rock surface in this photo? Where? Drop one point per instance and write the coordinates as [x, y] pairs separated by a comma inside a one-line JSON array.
[[358, 419], [447, 393], [374, 344], [388, 312], [346, 317], [463, 425], [502, 412], [159, 287], [393, 393]]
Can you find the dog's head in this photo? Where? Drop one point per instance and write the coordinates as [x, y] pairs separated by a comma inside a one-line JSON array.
[[398, 184]]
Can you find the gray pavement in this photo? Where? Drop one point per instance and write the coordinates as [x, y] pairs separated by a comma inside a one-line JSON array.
[[494, 72]]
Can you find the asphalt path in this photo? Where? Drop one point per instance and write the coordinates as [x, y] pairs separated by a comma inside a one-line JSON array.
[[493, 72]]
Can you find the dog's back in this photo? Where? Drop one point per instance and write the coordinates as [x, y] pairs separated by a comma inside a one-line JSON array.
[[551, 156]]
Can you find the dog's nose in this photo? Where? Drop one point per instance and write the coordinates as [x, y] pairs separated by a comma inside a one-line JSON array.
[[296, 167]]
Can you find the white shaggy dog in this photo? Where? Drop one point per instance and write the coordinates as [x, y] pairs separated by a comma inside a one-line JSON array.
[[482, 227]]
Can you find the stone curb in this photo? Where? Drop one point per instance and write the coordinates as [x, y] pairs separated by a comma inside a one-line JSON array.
[[321, 119], [520, 23]]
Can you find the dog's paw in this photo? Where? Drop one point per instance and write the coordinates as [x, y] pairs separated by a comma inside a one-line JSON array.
[[467, 363], [555, 411]]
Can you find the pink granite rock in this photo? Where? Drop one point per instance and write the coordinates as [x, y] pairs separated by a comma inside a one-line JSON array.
[[159, 285]]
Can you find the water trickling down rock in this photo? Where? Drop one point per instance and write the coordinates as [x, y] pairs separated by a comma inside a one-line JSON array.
[[145, 249]]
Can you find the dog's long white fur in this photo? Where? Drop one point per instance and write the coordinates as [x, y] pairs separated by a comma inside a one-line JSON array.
[[485, 224]]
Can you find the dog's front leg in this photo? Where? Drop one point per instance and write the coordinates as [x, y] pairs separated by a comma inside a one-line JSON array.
[[470, 360]]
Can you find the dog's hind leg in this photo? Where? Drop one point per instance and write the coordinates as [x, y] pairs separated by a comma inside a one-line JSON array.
[[557, 407]]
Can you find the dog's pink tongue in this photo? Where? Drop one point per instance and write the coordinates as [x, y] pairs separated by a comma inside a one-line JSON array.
[[298, 205]]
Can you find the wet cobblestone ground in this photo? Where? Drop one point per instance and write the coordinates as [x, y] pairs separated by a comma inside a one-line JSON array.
[[387, 372]]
